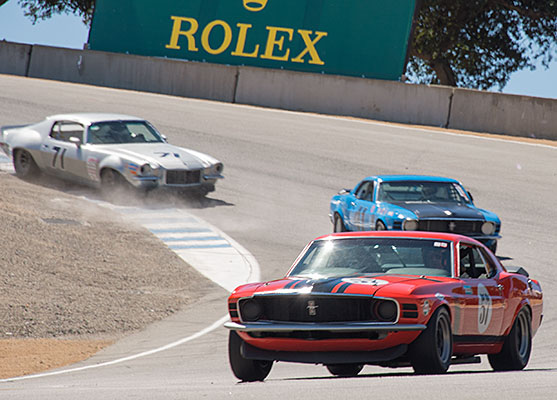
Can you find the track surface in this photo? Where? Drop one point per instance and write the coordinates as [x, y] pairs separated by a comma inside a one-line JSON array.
[[281, 170]]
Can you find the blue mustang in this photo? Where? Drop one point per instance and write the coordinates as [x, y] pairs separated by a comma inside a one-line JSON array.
[[410, 202]]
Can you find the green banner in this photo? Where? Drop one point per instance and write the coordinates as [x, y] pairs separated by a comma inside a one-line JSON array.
[[365, 38]]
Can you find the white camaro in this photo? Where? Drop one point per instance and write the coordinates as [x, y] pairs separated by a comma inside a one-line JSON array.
[[107, 151]]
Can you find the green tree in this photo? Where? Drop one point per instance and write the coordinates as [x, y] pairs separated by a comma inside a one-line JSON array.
[[43, 9], [480, 43]]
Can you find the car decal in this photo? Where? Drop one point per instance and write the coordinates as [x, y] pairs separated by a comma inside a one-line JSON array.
[[133, 168], [365, 281], [341, 287], [291, 283], [484, 309], [92, 166]]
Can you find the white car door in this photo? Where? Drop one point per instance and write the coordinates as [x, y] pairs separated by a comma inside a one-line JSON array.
[[62, 151]]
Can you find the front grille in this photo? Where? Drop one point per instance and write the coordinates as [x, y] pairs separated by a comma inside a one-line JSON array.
[[181, 177], [285, 308], [453, 226]]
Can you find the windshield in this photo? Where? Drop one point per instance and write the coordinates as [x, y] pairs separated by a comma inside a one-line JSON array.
[[114, 132], [422, 192], [350, 256]]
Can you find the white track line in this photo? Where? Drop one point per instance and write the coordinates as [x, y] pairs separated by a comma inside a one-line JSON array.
[[215, 325]]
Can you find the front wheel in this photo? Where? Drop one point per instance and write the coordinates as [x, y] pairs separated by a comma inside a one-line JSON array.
[[516, 349], [244, 369], [380, 226], [24, 165], [114, 186], [345, 369], [338, 224], [431, 352]]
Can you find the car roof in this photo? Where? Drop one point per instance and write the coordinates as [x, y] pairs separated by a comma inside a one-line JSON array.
[[405, 178], [90, 118], [401, 234]]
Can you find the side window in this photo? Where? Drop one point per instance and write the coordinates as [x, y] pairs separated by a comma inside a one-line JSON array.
[[55, 131], [365, 191], [472, 263], [490, 268], [65, 130]]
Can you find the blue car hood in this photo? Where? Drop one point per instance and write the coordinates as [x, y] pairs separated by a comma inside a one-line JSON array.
[[442, 210]]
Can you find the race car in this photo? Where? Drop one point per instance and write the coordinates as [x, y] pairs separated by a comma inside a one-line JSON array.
[[393, 299], [110, 151], [413, 202]]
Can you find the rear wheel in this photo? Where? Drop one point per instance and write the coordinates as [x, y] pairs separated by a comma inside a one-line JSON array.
[[243, 368], [517, 346], [345, 369], [380, 226], [24, 164], [339, 224], [431, 352]]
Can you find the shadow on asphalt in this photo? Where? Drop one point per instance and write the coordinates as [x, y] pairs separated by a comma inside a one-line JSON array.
[[403, 374]]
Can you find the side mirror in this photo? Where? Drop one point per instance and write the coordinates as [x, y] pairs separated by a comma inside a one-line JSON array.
[[344, 191], [471, 197], [75, 140]]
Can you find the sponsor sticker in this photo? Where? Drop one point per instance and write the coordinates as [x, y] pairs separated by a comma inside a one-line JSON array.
[[365, 281], [92, 166], [133, 168]]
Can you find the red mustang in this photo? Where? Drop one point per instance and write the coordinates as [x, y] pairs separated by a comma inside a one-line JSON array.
[[394, 299]]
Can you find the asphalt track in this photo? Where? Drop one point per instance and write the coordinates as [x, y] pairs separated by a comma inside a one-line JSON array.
[[281, 169]]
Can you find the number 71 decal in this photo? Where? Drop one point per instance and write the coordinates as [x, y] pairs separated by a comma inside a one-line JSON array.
[[59, 152]]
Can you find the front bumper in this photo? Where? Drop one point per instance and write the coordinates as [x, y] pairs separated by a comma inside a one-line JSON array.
[[329, 327], [377, 357]]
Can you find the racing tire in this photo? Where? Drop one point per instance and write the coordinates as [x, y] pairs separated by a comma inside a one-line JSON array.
[[432, 351], [244, 369], [338, 225], [517, 346], [380, 226], [345, 370], [113, 185], [24, 165]]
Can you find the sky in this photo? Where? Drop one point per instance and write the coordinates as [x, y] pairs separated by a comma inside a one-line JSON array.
[[69, 31]]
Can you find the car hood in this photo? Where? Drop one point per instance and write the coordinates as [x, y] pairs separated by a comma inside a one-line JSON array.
[[441, 210], [163, 154], [384, 285]]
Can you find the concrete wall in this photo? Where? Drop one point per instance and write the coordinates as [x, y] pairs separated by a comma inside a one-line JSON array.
[[328, 94], [505, 114], [179, 78], [14, 58], [339, 95]]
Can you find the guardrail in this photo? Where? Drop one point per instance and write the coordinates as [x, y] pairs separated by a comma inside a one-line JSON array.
[[431, 105]]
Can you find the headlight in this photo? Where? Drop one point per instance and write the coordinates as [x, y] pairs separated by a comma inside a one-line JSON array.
[[251, 310], [410, 225], [148, 170], [218, 167], [145, 169], [386, 310], [488, 228]]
